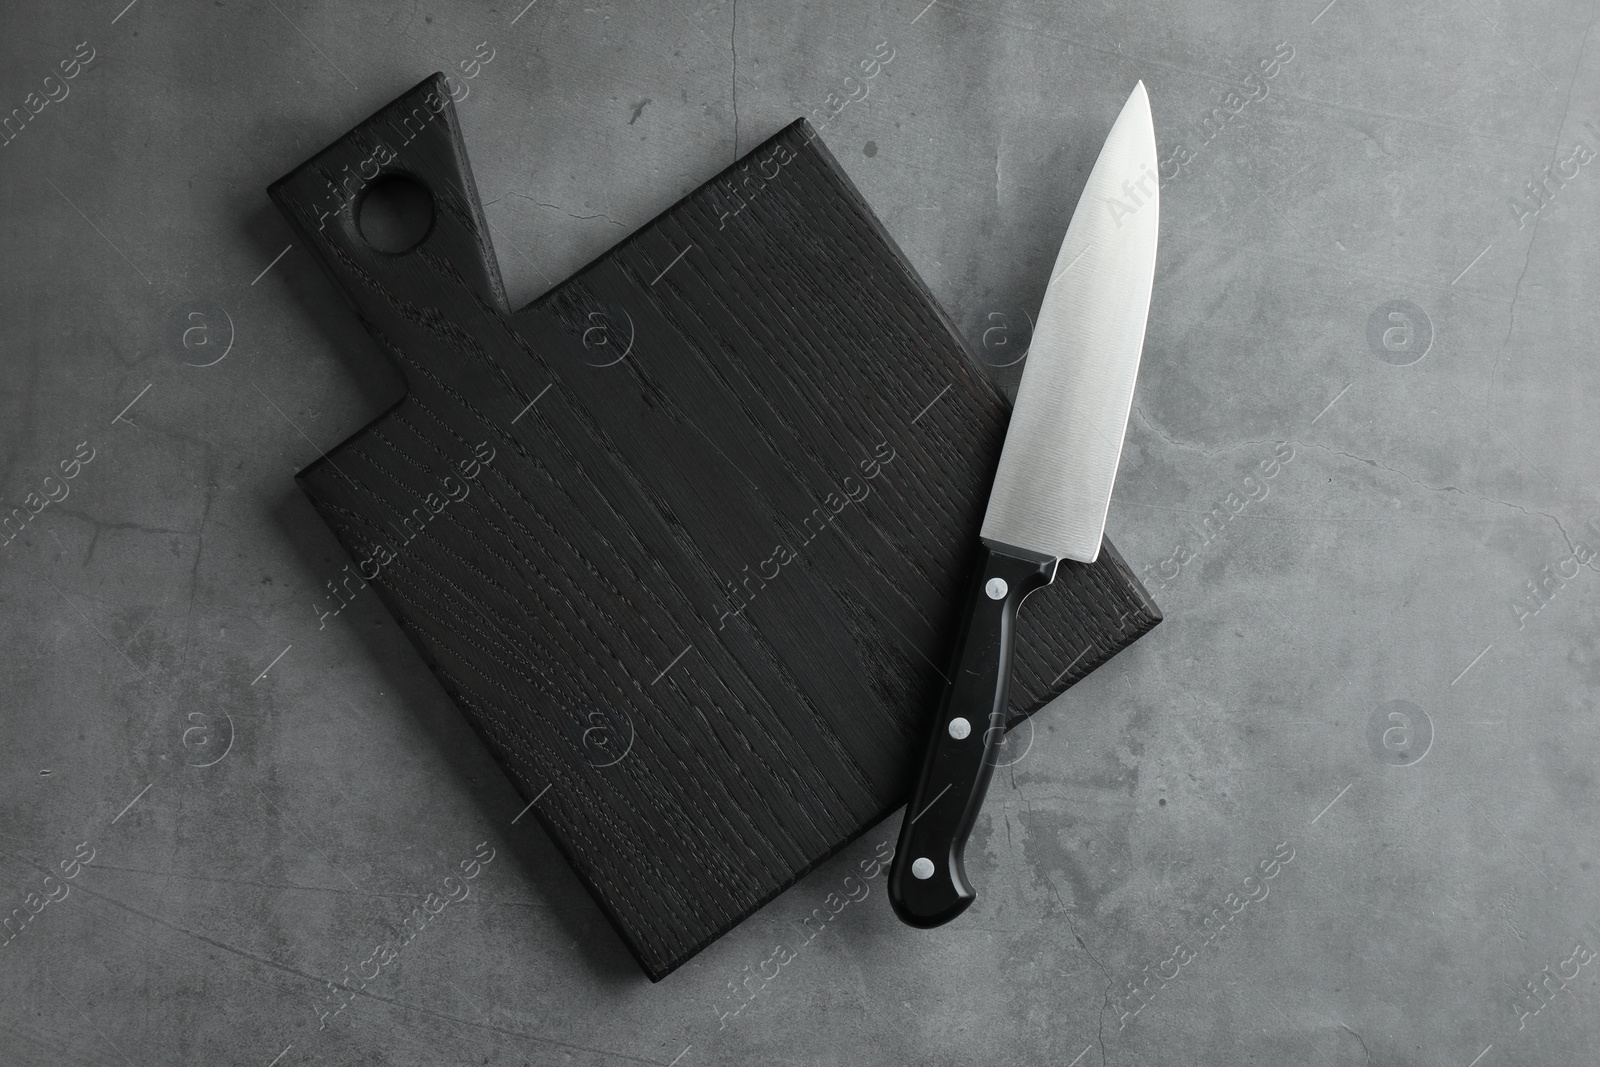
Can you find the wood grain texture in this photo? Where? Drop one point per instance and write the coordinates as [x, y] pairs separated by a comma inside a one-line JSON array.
[[733, 553]]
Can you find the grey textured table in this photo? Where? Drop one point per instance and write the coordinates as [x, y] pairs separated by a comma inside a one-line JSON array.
[[1338, 809]]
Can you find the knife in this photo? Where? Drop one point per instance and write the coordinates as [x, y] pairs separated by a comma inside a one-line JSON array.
[[1049, 499]]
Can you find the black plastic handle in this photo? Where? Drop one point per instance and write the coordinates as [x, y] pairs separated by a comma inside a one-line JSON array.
[[928, 880]]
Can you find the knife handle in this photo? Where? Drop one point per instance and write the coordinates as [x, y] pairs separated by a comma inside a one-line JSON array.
[[928, 881]]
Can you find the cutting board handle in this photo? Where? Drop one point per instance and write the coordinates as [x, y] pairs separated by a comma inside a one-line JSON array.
[[417, 137]]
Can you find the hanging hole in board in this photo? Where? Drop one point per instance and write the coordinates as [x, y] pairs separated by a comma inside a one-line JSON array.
[[395, 214]]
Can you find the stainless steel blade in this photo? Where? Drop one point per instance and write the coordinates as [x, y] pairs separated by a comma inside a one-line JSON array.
[[1053, 486]]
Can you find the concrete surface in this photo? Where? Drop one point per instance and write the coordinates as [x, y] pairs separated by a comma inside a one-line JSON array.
[[1380, 653]]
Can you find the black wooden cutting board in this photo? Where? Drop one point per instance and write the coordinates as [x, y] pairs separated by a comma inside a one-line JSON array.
[[684, 537]]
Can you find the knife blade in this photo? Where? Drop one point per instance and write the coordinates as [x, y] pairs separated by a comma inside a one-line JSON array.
[[1049, 500]]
